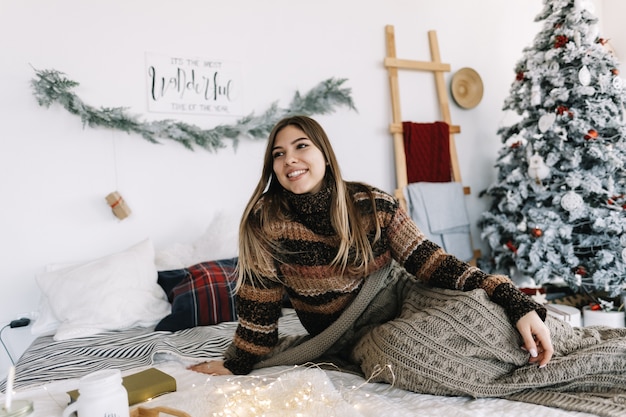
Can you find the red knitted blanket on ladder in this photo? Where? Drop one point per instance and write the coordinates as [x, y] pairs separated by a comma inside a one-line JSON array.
[[427, 151]]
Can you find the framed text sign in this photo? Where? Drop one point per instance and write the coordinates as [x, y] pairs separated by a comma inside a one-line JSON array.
[[193, 85]]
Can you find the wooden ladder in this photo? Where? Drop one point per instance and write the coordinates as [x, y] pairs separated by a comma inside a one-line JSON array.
[[393, 64], [438, 68]]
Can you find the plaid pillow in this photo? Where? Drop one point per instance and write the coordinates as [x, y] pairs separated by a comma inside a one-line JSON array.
[[201, 295]]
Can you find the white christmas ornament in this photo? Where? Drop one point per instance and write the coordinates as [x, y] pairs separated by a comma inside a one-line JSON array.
[[535, 95], [537, 168], [578, 280], [571, 201], [584, 76], [554, 66], [546, 121], [618, 83]]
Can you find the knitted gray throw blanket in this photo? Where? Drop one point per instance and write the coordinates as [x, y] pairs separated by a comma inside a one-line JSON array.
[[444, 342]]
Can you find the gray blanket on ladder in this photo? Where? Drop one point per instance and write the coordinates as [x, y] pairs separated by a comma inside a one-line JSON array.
[[438, 209]]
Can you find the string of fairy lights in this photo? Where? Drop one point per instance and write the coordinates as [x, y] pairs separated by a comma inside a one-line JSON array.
[[300, 391]]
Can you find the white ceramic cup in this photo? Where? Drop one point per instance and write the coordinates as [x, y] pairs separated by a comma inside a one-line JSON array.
[[101, 394]]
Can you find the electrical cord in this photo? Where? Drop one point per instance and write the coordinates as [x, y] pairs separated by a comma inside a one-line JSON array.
[[13, 324], [5, 346]]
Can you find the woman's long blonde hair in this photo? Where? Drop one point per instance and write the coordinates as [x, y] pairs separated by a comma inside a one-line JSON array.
[[258, 254]]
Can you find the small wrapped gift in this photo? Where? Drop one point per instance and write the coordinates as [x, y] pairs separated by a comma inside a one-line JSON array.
[[118, 205], [143, 386]]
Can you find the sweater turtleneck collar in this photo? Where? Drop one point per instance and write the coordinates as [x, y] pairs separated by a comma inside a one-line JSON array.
[[311, 204]]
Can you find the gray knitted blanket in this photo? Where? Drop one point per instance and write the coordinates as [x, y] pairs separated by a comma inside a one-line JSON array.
[[444, 342]]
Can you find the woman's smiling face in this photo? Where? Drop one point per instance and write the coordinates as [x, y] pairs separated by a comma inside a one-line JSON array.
[[299, 165]]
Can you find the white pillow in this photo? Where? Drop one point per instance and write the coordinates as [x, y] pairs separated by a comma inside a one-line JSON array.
[[115, 292], [219, 241], [45, 322]]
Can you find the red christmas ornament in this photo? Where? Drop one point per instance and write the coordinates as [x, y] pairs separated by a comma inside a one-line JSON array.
[[561, 110], [581, 271], [516, 144], [519, 76], [610, 202], [602, 41], [615, 71], [591, 134], [511, 246], [536, 232], [560, 41]]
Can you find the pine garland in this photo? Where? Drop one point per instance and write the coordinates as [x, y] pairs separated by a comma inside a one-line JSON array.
[[53, 86]]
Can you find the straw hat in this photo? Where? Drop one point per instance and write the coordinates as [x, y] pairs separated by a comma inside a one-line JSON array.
[[467, 88]]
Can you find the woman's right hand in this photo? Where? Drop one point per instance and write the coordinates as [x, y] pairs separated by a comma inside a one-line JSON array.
[[536, 336], [211, 368]]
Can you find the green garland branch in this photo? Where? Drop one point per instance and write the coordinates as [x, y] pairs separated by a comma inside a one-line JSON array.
[[52, 86]]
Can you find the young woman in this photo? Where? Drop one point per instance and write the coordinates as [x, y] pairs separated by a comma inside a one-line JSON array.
[[311, 235]]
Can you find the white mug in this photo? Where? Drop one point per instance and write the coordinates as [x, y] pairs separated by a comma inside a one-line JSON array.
[[101, 394]]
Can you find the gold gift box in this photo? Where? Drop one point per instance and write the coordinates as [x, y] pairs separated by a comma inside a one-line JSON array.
[[143, 385]]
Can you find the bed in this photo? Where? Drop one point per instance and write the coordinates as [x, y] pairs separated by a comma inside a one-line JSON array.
[[49, 369], [186, 317]]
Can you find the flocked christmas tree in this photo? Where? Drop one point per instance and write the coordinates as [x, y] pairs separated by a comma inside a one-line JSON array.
[[558, 207]]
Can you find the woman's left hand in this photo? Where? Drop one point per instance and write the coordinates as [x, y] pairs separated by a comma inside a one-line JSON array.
[[536, 336], [210, 368]]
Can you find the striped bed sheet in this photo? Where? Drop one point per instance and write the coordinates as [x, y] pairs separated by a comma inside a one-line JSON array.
[[47, 360]]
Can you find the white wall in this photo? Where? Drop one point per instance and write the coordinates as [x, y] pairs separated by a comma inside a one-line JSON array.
[[612, 14], [54, 174]]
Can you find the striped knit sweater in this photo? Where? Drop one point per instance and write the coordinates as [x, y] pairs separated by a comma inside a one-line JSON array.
[[319, 293]]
